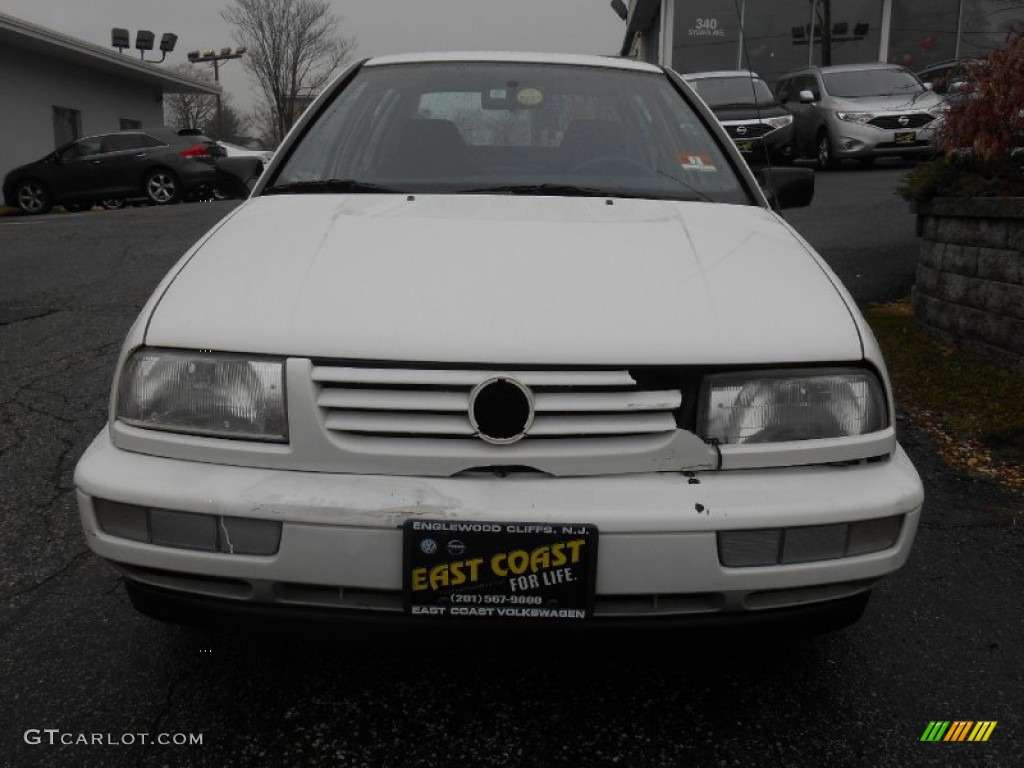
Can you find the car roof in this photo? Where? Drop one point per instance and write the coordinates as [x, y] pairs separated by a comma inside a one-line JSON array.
[[745, 73], [579, 60], [875, 65]]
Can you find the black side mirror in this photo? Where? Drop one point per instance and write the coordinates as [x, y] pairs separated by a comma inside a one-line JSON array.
[[236, 176], [786, 187]]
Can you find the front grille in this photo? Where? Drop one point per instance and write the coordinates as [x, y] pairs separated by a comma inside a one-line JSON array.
[[753, 131], [892, 122], [435, 403]]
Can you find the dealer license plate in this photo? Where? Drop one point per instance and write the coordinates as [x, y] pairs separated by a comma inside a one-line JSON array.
[[906, 137], [485, 570]]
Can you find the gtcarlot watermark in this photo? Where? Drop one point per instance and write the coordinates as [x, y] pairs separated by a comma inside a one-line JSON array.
[[55, 736]]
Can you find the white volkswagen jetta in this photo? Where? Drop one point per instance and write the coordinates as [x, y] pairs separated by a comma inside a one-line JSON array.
[[503, 337]]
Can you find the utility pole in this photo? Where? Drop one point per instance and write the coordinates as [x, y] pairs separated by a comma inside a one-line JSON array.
[[213, 57]]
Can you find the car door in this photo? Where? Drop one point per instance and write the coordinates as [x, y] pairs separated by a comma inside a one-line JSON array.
[[74, 172], [122, 163]]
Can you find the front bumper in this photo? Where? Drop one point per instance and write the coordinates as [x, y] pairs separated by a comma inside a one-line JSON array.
[[341, 544], [852, 140]]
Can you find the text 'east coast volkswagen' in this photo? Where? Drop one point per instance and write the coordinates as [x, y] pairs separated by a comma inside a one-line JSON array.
[[503, 337]]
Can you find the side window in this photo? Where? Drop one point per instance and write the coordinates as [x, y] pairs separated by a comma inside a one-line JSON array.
[[120, 142], [782, 90], [813, 87], [804, 83], [83, 148]]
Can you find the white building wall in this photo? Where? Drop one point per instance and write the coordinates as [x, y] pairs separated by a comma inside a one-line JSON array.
[[31, 85]]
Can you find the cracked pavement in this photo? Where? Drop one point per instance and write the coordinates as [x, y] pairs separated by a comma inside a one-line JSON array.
[[942, 639]]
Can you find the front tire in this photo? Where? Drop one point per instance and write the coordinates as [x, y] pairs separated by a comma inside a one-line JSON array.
[[33, 197], [162, 187], [824, 156]]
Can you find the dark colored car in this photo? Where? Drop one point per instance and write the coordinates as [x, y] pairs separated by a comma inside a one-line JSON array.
[[157, 165], [748, 110]]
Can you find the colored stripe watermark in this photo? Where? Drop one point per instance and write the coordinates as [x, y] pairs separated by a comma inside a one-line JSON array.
[[958, 730]]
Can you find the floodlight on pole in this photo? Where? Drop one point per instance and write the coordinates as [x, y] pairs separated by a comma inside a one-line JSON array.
[[144, 39], [208, 55], [120, 39]]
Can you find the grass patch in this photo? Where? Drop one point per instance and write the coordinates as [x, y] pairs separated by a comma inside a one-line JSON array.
[[970, 407]]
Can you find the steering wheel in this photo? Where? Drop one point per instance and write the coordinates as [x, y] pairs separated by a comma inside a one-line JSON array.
[[612, 165]]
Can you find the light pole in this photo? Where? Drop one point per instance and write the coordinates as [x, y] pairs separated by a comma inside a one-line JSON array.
[[209, 55]]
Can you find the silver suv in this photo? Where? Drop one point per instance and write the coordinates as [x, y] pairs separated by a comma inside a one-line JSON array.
[[859, 111]]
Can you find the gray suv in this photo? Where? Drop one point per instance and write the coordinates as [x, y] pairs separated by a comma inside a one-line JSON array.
[[859, 111]]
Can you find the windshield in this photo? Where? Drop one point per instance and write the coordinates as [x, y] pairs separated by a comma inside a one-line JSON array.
[[509, 128], [871, 82], [721, 91]]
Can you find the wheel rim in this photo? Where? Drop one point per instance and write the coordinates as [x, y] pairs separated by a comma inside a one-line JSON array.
[[824, 151], [113, 204], [32, 197], [160, 187]]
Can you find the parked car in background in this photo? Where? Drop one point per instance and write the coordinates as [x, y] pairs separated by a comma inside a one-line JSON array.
[[860, 112], [234, 150], [503, 337], [157, 165], [748, 110]]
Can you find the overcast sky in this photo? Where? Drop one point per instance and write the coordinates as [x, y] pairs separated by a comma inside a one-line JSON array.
[[379, 26]]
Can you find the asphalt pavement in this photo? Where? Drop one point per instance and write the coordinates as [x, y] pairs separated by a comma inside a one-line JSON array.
[[86, 681]]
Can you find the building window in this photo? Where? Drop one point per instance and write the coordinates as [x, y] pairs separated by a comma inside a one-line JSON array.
[[776, 35], [67, 125], [127, 124], [985, 25], [923, 32]]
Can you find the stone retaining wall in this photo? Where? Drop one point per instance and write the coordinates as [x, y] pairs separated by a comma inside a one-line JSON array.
[[970, 275]]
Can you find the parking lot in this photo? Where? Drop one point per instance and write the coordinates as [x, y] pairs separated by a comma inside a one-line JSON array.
[[939, 641]]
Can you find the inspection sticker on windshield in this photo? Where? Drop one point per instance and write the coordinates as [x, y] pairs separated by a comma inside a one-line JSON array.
[[696, 161], [485, 570]]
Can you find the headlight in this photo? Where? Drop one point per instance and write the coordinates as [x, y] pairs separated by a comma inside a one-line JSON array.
[[778, 122], [780, 406], [856, 117], [219, 395]]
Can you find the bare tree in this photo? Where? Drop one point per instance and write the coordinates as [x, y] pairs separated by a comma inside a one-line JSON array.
[[189, 110], [294, 48], [230, 125]]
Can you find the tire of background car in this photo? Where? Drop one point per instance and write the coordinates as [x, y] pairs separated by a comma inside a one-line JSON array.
[[162, 186], [76, 207], [33, 197], [823, 153], [114, 203]]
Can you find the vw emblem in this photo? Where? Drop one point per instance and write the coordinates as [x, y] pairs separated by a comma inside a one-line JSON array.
[[903, 120], [500, 410], [428, 546], [741, 130]]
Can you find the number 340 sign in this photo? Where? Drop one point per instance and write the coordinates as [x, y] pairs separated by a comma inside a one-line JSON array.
[[706, 27]]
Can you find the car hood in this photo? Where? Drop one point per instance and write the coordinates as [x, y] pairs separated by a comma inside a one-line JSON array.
[[749, 112], [506, 279], [923, 100]]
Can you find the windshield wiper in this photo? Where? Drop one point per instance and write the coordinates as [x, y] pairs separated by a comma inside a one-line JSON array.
[[327, 186], [569, 190]]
